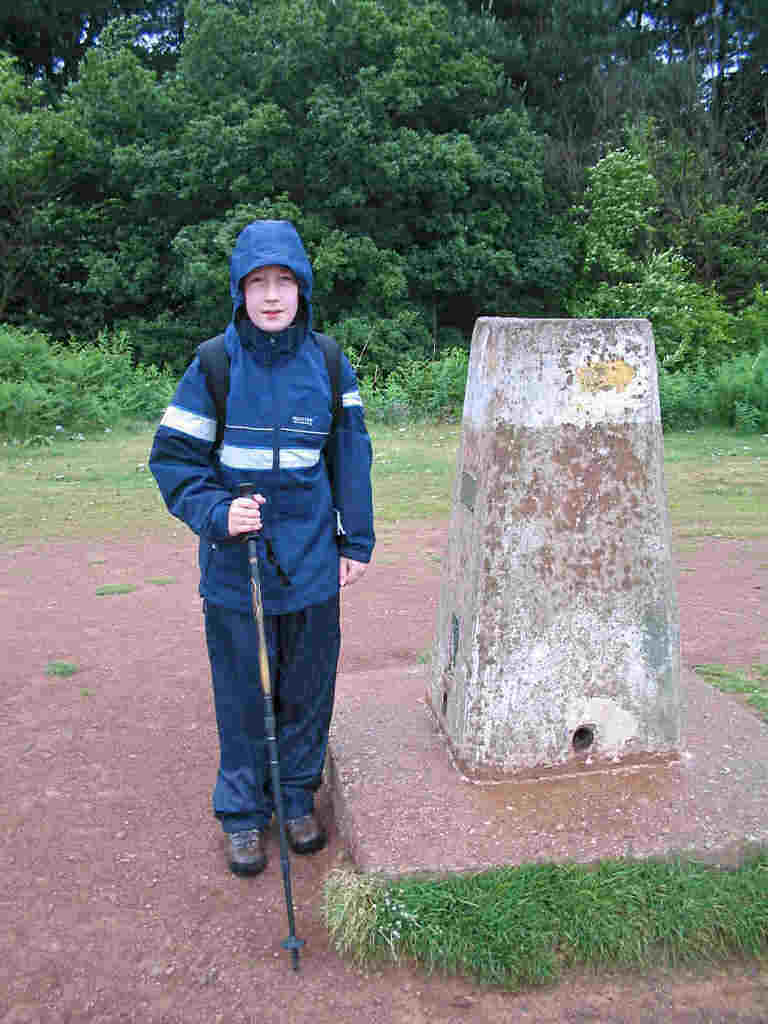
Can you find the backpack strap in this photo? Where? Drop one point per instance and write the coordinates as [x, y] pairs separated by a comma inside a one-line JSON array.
[[332, 353], [214, 360]]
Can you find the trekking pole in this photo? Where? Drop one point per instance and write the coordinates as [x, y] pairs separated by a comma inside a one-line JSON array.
[[292, 944]]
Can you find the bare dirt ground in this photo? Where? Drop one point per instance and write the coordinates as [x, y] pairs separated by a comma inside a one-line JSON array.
[[115, 901]]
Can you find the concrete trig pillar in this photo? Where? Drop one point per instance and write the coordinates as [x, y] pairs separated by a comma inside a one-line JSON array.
[[557, 637]]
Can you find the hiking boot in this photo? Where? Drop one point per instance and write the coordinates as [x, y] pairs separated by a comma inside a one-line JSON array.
[[305, 834], [247, 855]]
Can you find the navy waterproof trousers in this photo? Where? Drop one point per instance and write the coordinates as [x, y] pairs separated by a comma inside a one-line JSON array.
[[303, 652]]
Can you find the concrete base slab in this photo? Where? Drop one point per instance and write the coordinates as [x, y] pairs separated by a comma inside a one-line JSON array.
[[403, 807]]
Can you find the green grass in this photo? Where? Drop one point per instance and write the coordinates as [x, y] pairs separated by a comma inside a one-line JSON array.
[[109, 589], [717, 483], [101, 487], [72, 490], [413, 471], [61, 668], [752, 683], [523, 926]]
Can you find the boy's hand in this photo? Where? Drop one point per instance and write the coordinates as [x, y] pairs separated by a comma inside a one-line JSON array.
[[350, 571], [245, 515]]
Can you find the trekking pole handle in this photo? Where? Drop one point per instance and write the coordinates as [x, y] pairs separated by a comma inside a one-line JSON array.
[[246, 490]]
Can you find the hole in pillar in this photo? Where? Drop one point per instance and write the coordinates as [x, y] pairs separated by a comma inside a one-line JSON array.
[[583, 738], [445, 703]]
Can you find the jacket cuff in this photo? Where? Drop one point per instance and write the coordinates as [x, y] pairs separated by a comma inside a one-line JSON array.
[[219, 521], [355, 552]]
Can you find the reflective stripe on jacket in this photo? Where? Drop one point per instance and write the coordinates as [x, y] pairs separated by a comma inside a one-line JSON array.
[[279, 413]]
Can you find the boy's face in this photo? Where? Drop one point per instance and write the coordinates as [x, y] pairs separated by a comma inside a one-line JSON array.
[[271, 297]]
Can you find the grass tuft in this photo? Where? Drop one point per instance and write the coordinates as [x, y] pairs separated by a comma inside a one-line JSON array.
[[519, 927], [115, 588], [162, 581], [350, 913], [752, 683], [61, 668]]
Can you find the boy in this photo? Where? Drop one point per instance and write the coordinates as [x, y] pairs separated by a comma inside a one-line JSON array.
[[313, 514]]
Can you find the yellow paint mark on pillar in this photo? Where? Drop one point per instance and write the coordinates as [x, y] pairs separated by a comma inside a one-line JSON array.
[[613, 376]]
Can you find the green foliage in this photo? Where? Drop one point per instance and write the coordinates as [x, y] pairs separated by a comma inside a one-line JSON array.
[[35, 168], [524, 926], [691, 326], [45, 387], [170, 341], [375, 346], [386, 402], [51, 39], [420, 389], [686, 398], [752, 323], [733, 394], [435, 388], [727, 243], [380, 129], [620, 198], [429, 152], [622, 276], [706, 142], [740, 392]]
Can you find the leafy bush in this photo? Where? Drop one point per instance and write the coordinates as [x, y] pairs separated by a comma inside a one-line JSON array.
[[686, 398], [45, 385], [622, 275], [620, 200], [386, 403], [740, 392], [420, 389], [691, 326], [734, 394], [435, 387], [170, 341], [376, 346], [752, 324]]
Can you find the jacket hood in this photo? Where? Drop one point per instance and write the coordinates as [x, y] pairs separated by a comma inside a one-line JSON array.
[[265, 243]]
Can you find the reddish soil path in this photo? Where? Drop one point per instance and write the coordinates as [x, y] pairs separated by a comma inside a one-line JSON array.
[[115, 901]]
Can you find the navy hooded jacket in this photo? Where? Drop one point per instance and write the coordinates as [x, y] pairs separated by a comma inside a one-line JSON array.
[[277, 436]]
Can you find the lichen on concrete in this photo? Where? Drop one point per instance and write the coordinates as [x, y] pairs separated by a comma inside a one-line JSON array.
[[558, 571]]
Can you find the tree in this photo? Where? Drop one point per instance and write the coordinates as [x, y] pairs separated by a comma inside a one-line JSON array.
[[433, 151], [50, 40], [624, 275], [37, 167], [389, 133], [621, 199], [81, 251]]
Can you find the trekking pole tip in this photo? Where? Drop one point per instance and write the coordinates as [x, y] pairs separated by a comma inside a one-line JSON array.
[[293, 945]]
